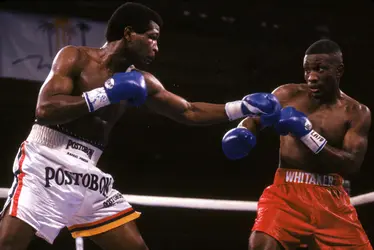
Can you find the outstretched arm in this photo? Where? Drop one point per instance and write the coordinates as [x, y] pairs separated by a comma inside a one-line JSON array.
[[180, 110], [201, 113]]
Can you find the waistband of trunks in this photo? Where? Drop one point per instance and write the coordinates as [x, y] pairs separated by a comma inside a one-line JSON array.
[[57, 140], [295, 176], [62, 129]]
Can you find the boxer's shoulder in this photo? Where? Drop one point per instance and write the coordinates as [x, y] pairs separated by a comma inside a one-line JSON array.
[[287, 92], [154, 86], [73, 57], [356, 109]]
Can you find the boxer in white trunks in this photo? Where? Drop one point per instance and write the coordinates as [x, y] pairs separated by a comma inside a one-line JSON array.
[[57, 181]]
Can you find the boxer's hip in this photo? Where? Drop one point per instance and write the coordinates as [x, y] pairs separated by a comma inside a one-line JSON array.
[[50, 161], [295, 176], [57, 184], [61, 147], [307, 189], [316, 197], [308, 204]]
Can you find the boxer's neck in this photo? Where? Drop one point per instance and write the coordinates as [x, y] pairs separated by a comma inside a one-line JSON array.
[[328, 98], [113, 56]]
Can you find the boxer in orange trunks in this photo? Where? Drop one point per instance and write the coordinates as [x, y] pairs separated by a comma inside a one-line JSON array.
[[323, 139]]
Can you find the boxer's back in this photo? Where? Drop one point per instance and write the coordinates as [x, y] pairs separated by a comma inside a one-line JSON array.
[[330, 120], [91, 73]]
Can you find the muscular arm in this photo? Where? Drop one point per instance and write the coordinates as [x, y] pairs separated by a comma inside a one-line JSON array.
[[348, 160], [180, 110], [55, 103]]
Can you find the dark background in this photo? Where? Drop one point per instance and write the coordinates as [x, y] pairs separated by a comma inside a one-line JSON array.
[[207, 59]]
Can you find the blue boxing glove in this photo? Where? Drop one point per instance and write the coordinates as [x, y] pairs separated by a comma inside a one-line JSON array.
[[265, 105], [129, 86], [237, 143], [294, 122]]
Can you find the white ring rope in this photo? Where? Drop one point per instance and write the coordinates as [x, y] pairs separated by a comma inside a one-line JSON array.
[[197, 203], [4, 192], [193, 203], [362, 199]]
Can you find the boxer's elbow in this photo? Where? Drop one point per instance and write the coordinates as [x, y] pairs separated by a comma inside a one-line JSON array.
[[189, 118], [188, 115], [343, 162], [48, 113], [350, 165], [43, 114], [199, 114], [353, 166]]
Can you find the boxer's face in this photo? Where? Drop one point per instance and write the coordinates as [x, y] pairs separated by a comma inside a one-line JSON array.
[[142, 48], [322, 73]]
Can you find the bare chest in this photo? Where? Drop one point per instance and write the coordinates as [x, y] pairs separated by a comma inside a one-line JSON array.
[[93, 77], [329, 121]]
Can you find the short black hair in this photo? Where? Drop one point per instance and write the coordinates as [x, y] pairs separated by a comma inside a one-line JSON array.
[[323, 46], [131, 14]]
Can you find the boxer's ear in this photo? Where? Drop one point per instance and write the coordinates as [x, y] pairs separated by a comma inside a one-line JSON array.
[[340, 71], [127, 33]]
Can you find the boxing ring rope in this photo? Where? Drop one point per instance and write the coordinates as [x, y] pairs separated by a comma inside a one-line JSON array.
[[198, 203]]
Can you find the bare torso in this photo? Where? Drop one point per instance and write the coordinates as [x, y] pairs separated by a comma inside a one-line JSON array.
[[96, 126], [330, 120], [76, 70]]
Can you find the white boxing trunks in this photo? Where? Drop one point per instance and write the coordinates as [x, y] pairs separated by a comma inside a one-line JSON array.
[[57, 184]]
